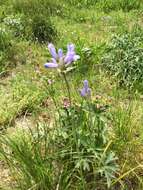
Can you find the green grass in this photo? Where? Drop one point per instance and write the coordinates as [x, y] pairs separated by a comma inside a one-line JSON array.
[[60, 150]]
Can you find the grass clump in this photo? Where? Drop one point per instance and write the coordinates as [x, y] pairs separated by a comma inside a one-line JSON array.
[[10, 54], [108, 5], [35, 19], [115, 5], [14, 24], [124, 59], [11, 48], [72, 152], [5, 39], [42, 29]]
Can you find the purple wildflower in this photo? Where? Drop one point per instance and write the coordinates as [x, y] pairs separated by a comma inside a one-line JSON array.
[[59, 59], [85, 91]]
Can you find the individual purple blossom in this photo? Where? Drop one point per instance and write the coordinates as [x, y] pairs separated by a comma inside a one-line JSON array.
[[70, 47], [52, 50], [71, 55], [85, 91], [59, 59], [52, 64]]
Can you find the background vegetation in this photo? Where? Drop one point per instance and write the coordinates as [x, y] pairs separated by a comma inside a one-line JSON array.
[[95, 143]]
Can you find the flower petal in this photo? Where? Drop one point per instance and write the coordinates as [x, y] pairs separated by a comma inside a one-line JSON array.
[[52, 50], [70, 47], [85, 83], [54, 60], [89, 92], [60, 53], [83, 92], [76, 57], [69, 57], [51, 65]]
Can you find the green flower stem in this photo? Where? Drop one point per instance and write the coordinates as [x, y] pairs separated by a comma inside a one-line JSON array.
[[67, 86]]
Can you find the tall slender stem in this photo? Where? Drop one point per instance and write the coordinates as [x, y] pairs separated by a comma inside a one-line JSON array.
[[68, 87]]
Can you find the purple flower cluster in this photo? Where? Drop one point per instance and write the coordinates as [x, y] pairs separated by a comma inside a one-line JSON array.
[[59, 59], [85, 91]]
